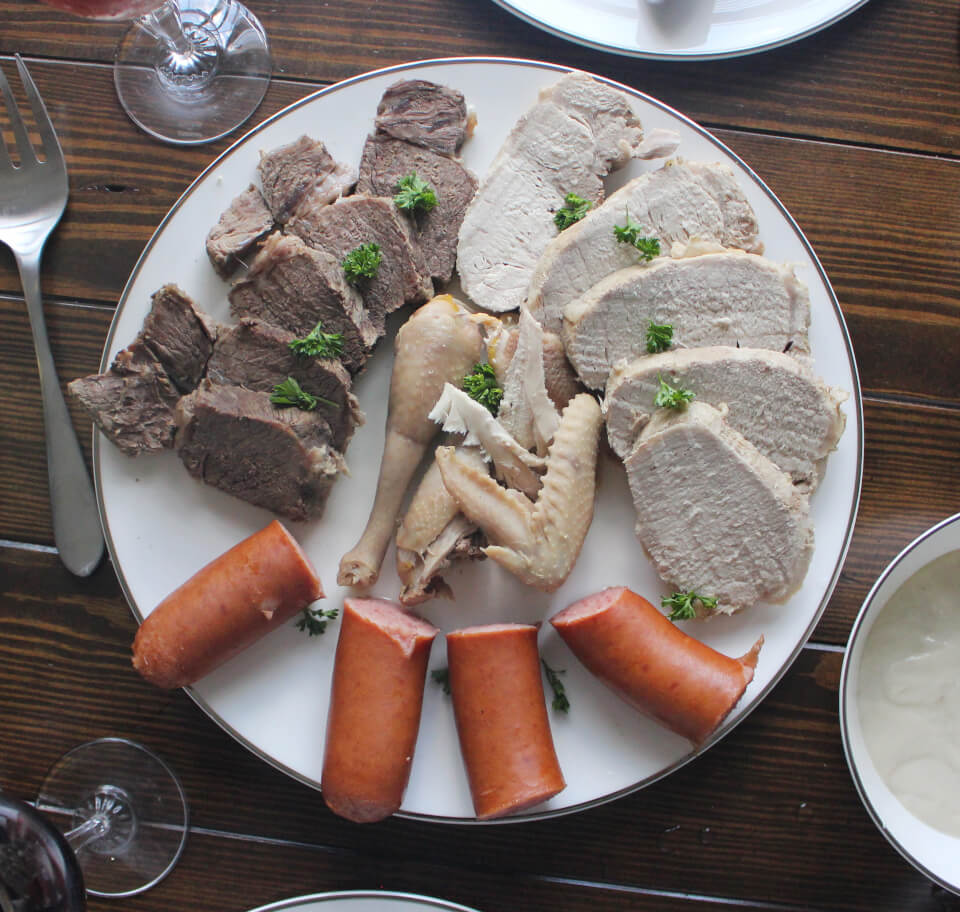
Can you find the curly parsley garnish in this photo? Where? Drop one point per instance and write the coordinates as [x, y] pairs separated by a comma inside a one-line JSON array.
[[481, 385], [290, 394], [414, 194], [441, 676], [649, 247], [560, 701], [362, 262], [668, 397], [575, 209], [682, 605], [318, 344], [314, 620], [659, 337]]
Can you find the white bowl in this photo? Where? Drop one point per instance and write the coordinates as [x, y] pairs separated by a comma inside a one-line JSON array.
[[931, 851]]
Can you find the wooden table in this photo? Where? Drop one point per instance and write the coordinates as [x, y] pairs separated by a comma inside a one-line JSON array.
[[857, 130]]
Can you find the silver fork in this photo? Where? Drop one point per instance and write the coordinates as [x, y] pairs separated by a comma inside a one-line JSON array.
[[32, 199]]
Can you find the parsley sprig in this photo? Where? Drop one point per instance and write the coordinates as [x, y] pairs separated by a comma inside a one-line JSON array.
[[290, 394], [414, 194], [314, 620], [659, 337], [318, 344], [560, 701], [575, 209], [362, 262], [670, 397], [683, 607], [441, 676], [481, 384], [649, 247]]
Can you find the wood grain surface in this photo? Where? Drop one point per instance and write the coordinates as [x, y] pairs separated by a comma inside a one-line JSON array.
[[857, 131]]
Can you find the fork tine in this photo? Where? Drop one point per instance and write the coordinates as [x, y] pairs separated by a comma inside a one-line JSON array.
[[27, 155], [48, 137]]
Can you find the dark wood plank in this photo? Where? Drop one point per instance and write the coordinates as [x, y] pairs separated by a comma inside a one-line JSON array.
[[768, 814], [888, 74]]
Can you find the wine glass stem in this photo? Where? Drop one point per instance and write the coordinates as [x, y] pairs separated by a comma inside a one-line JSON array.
[[91, 829], [189, 55], [165, 24]]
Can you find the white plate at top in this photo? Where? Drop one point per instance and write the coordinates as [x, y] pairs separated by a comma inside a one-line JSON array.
[[162, 525], [362, 901], [682, 29]]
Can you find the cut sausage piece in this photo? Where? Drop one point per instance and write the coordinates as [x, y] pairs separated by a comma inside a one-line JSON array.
[[502, 718], [652, 664], [227, 606], [375, 701]]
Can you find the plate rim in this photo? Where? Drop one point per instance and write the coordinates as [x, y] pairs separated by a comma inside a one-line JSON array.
[[294, 902], [678, 56], [855, 397]]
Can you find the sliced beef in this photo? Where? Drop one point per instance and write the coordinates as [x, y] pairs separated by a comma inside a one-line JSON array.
[[714, 514], [280, 459], [295, 286], [132, 403], [302, 172], [245, 222], [774, 400], [385, 160], [180, 336], [678, 202], [424, 113], [730, 298], [579, 131], [257, 355], [402, 277]]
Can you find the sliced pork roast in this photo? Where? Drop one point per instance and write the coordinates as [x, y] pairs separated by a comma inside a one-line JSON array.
[[774, 400], [302, 173], [579, 131], [676, 203], [402, 276], [295, 287], [246, 221], [132, 403], [728, 298], [386, 160], [257, 355], [424, 113], [280, 459], [714, 514]]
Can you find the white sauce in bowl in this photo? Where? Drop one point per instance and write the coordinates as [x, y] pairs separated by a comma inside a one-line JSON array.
[[909, 693]]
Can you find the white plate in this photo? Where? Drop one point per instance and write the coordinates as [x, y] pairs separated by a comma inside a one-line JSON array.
[[361, 901], [682, 29], [162, 525]]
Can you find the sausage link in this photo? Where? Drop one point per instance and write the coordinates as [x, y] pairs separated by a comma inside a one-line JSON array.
[[652, 664], [227, 606], [375, 703], [501, 718]]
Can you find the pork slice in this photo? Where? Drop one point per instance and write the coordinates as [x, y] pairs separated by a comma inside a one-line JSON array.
[[402, 277], [246, 221], [714, 514], [579, 131], [424, 113], [295, 287], [386, 160], [302, 172], [180, 336], [132, 403], [234, 439], [729, 298], [257, 355], [775, 401], [676, 203]]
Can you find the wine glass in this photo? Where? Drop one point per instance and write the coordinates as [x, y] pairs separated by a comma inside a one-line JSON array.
[[123, 816], [188, 71]]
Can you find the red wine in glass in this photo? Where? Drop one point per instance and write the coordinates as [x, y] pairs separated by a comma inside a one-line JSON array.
[[188, 71], [122, 814]]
